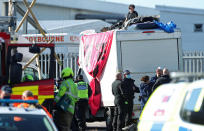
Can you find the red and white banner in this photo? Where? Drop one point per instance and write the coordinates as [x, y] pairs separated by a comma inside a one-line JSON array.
[[96, 49]]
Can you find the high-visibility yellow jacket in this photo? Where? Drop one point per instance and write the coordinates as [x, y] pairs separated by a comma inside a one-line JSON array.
[[67, 90], [82, 89]]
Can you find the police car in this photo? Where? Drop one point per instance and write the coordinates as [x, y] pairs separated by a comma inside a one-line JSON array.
[[24, 119], [175, 107]]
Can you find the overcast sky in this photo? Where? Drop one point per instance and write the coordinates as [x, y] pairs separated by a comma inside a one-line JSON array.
[[151, 3]]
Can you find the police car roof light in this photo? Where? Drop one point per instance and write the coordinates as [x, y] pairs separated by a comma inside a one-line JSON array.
[[18, 101]]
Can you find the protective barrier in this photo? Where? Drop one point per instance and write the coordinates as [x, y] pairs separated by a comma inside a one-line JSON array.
[[193, 62], [67, 60]]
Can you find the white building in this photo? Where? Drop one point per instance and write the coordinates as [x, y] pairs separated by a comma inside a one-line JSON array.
[[70, 9], [190, 21]]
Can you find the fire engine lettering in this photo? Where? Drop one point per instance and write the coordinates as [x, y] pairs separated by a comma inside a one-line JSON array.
[[39, 39], [74, 38], [62, 38], [59, 38], [43, 39], [27, 38], [52, 37], [30, 39], [55, 38]]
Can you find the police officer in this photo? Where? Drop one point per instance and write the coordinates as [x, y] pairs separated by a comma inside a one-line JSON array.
[[84, 92], [129, 88], [65, 101], [119, 101]]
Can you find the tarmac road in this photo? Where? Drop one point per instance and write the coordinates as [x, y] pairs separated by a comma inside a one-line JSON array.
[[101, 126], [96, 126]]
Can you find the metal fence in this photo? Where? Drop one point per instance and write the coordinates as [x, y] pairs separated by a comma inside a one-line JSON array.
[[66, 60], [192, 62]]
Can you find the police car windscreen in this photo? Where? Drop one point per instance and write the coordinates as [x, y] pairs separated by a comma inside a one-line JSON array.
[[13, 122], [193, 107]]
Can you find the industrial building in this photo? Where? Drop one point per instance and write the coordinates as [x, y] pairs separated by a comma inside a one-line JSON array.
[[74, 16], [190, 21]]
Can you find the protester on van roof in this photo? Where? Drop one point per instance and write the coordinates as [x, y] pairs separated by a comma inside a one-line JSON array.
[[132, 13]]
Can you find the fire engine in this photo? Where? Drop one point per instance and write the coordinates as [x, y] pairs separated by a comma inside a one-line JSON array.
[[12, 70]]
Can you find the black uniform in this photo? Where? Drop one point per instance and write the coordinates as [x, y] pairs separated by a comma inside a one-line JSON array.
[[119, 111], [129, 88], [79, 119], [132, 15], [161, 80]]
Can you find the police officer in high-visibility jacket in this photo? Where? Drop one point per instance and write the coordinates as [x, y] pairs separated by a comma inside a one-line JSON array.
[[65, 101], [84, 92]]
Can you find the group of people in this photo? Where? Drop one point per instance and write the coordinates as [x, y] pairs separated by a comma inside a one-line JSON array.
[[149, 85], [124, 88], [71, 102]]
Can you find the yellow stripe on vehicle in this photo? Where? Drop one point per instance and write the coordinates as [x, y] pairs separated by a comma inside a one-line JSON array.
[[41, 98], [199, 101], [20, 90]]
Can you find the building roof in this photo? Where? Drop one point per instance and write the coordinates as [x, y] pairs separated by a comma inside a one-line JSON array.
[[69, 26], [96, 5], [180, 10]]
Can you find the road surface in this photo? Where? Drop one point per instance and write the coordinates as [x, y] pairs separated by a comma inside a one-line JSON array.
[[96, 126]]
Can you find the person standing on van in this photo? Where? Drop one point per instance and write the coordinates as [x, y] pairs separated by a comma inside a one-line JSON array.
[[119, 101], [129, 89], [132, 13]]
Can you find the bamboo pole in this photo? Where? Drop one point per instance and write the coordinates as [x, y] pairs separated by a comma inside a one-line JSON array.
[[40, 28], [24, 17], [34, 57], [35, 19], [41, 31], [38, 65], [10, 13]]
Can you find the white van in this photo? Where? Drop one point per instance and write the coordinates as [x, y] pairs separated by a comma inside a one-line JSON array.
[[141, 52]]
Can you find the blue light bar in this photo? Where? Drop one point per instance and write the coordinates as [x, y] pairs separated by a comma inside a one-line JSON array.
[[18, 101]]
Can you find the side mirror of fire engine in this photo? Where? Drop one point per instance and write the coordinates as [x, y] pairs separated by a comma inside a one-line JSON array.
[[34, 49]]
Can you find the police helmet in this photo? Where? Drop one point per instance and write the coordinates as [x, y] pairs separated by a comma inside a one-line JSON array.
[[67, 72], [28, 78], [126, 72]]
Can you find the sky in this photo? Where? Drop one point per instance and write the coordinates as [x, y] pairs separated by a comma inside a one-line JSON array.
[[199, 4]]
